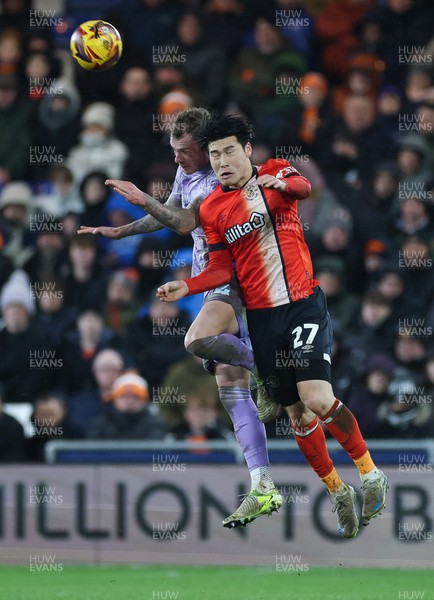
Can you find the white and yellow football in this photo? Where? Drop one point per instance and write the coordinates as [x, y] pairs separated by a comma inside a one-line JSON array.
[[96, 45]]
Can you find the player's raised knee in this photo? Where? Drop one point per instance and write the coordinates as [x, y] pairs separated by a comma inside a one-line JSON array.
[[190, 337], [316, 397]]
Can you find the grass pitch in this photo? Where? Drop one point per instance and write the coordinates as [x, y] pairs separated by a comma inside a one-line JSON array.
[[213, 583]]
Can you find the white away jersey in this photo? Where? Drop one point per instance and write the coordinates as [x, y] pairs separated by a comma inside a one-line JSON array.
[[187, 188]]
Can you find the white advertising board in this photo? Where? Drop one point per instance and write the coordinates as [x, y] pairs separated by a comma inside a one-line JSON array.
[[169, 512]]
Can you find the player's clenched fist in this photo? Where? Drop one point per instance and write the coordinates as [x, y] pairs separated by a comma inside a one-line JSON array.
[[172, 291]]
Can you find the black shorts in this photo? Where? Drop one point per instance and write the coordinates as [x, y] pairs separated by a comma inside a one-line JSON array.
[[292, 343]]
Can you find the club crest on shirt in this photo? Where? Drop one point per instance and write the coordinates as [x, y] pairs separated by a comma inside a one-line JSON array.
[[251, 192]]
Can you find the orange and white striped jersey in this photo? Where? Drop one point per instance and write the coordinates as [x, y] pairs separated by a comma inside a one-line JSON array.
[[260, 230]]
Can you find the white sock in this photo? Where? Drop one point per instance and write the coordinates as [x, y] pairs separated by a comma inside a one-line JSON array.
[[374, 474], [261, 479]]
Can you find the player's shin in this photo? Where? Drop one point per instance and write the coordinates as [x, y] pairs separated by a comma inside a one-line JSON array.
[[250, 433], [312, 443], [343, 426]]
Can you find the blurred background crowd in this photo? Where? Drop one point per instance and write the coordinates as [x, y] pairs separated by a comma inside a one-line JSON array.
[[343, 89]]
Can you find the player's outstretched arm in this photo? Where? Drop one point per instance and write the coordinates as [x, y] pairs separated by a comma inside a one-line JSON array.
[[218, 272], [114, 233], [181, 220], [147, 224]]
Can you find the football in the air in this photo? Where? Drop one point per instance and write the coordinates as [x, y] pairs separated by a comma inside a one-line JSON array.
[[96, 45]]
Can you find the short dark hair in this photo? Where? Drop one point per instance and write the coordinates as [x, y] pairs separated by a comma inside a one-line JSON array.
[[189, 121], [221, 126], [377, 298], [54, 394]]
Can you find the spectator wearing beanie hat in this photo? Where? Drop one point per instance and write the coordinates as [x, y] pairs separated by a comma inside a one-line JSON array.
[[16, 292], [174, 102], [58, 118], [98, 149], [24, 345], [129, 416], [413, 159], [363, 78], [15, 208], [375, 255], [335, 239]]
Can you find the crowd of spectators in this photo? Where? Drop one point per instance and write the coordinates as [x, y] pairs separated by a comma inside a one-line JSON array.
[[343, 89]]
